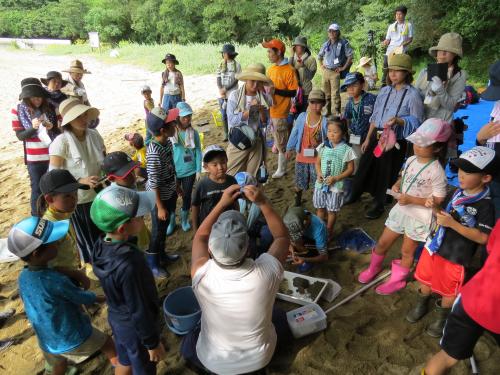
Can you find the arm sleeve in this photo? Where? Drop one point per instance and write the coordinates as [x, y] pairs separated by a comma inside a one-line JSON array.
[[293, 139], [449, 97], [233, 118], [219, 82], [347, 110], [348, 49], [153, 165], [58, 147], [486, 217], [137, 304], [286, 93], [197, 151], [350, 155], [26, 134], [377, 107], [421, 83], [70, 292]]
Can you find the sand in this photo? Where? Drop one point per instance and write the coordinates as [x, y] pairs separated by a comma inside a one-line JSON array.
[[369, 335]]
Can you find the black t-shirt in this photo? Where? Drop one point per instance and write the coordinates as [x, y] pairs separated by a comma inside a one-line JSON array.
[[455, 247], [207, 194]]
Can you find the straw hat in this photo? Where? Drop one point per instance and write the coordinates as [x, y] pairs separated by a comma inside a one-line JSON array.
[[449, 42], [71, 108], [254, 72], [76, 66], [400, 62], [364, 60]]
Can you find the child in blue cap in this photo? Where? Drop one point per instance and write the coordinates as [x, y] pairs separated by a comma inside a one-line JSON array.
[[52, 301]]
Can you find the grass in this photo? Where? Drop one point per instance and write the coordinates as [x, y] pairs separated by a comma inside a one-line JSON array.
[[198, 58]]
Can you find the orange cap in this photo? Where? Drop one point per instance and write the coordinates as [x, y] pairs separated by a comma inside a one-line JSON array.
[[275, 43]]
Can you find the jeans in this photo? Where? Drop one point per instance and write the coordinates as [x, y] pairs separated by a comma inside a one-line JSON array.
[[170, 101], [36, 171], [223, 112], [159, 227]]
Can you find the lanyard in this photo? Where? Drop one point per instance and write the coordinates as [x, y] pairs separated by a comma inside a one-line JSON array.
[[416, 176], [356, 110], [313, 130]]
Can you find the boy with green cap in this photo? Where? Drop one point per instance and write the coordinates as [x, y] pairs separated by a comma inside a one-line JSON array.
[[127, 281]]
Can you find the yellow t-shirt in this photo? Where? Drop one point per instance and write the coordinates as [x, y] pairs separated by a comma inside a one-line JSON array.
[[140, 156], [67, 250], [284, 77]]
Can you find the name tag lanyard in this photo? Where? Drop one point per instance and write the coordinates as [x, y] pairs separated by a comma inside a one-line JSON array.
[[312, 135], [187, 151]]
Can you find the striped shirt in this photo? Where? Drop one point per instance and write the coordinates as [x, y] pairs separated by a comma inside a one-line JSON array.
[[161, 169], [35, 150]]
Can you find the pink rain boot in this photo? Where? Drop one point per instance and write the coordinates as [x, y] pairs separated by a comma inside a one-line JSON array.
[[375, 267], [397, 280]]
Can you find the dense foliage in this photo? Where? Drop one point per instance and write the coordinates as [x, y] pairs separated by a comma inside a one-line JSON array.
[[249, 21]]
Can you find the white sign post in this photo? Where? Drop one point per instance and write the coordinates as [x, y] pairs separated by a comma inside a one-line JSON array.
[[94, 40]]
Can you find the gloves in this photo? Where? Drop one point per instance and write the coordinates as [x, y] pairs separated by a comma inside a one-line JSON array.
[[436, 84]]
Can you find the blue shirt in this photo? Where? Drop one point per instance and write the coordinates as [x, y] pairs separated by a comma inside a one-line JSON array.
[[317, 232], [187, 160], [359, 115], [329, 52], [411, 109], [53, 306]]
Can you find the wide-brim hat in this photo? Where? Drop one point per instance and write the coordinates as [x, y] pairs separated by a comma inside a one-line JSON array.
[[51, 75], [364, 60], [492, 92], [254, 72], [170, 57], [400, 61], [300, 41], [450, 42], [229, 49], [76, 66], [71, 108], [31, 88]]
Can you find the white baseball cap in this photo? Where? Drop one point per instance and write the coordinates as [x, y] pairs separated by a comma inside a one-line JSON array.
[[334, 27]]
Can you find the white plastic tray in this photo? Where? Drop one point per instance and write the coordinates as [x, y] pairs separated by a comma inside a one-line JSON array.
[[299, 298]]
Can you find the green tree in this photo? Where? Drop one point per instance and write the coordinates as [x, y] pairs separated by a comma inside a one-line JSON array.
[[187, 28], [111, 18]]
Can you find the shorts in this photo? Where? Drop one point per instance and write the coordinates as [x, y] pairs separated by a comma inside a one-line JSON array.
[[401, 223], [442, 276], [332, 201], [90, 346], [461, 333], [305, 174], [280, 133], [131, 351]]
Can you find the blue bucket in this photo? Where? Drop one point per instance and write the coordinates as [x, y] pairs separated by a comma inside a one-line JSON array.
[[182, 311]]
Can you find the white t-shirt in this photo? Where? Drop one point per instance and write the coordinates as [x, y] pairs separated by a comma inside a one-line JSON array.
[[237, 335], [431, 181], [398, 33], [87, 163]]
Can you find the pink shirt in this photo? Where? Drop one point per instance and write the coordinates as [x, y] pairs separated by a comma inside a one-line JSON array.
[[481, 295], [422, 181]]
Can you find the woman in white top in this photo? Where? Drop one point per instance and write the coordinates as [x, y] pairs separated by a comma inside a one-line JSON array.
[[81, 151], [249, 107]]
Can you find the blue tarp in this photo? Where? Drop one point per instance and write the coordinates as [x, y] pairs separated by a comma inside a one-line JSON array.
[[479, 115]]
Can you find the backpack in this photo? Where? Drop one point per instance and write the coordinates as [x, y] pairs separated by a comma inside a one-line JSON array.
[[471, 95], [242, 136]]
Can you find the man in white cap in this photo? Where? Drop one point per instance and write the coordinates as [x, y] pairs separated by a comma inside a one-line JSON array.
[[335, 57], [239, 329]]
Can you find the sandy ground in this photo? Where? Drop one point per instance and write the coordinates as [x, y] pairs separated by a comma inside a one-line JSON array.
[[367, 336]]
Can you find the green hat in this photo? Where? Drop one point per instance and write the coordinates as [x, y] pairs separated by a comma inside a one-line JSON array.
[[400, 61], [116, 205]]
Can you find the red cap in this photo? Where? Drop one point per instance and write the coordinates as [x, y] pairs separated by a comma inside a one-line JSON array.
[[275, 43], [172, 115]]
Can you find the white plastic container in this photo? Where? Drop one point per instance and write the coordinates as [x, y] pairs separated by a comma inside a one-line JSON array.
[[306, 320], [296, 296]]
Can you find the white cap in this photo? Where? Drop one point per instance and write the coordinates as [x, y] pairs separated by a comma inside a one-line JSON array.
[[334, 27]]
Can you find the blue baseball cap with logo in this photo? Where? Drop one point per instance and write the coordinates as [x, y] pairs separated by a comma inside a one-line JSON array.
[[352, 78], [31, 233], [184, 109]]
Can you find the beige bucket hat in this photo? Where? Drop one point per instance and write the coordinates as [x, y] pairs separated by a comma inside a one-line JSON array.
[[450, 42], [316, 95], [76, 66], [71, 108], [400, 62], [254, 72], [364, 60]]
